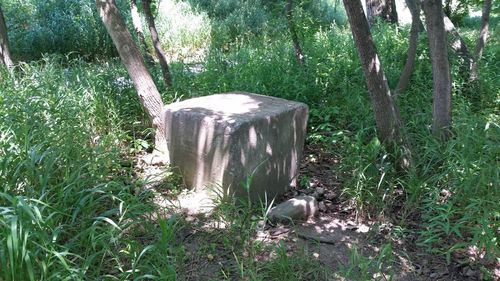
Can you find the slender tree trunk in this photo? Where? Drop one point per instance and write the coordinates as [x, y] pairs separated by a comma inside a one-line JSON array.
[[131, 57], [136, 22], [481, 41], [393, 12], [371, 10], [146, 5], [299, 55], [404, 79], [414, 7], [386, 113], [458, 46], [385, 9], [441, 111], [5, 57]]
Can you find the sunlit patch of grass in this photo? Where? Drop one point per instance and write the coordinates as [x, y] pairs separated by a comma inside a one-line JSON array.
[[183, 30]]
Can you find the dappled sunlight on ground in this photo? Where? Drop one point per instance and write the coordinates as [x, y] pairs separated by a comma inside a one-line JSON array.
[[219, 235]]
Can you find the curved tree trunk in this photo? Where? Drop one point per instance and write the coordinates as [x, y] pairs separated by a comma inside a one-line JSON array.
[[481, 41], [404, 79], [386, 114], [414, 7], [5, 57], [136, 22], [131, 57], [146, 5], [441, 109], [299, 55]]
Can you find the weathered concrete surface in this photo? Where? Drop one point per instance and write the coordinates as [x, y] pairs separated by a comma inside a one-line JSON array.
[[219, 141]]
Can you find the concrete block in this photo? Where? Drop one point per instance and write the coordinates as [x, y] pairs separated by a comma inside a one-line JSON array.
[[219, 141]]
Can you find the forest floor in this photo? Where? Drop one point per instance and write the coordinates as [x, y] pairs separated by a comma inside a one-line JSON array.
[[339, 244]]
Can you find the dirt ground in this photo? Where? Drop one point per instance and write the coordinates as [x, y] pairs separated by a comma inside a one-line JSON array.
[[330, 239]]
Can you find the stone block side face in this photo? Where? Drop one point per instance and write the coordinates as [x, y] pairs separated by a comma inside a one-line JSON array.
[[269, 151], [212, 150], [198, 146]]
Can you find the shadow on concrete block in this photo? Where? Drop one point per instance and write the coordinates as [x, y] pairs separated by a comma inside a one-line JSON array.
[[219, 141]]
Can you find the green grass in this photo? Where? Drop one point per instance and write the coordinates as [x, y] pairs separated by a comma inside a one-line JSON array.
[[341, 119], [69, 206]]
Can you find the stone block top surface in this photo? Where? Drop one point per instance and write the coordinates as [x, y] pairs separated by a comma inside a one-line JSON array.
[[234, 108]]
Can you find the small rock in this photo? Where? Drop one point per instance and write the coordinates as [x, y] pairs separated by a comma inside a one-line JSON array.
[[300, 208], [316, 195], [155, 159], [320, 190], [307, 191], [433, 275], [261, 224], [322, 206], [470, 273], [329, 195]]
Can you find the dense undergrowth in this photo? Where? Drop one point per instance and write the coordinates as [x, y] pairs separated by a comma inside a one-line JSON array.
[[71, 209], [67, 202]]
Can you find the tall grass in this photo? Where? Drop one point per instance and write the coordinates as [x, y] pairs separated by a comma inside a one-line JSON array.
[[68, 209], [67, 203], [36, 28]]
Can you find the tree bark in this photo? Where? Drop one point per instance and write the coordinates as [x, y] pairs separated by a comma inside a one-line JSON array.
[[441, 111], [385, 9], [5, 57], [131, 57], [404, 79], [393, 12], [146, 5], [386, 114], [299, 55], [481, 41], [372, 11], [414, 7]]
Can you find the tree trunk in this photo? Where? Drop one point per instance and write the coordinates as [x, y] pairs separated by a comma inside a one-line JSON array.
[[146, 5], [131, 57], [393, 12], [299, 55], [414, 7], [404, 79], [385, 9], [441, 111], [386, 113], [458, 46], [481, 41], [5, 57]]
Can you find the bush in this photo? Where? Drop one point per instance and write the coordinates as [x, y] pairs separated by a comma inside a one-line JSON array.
[[57, 26]]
